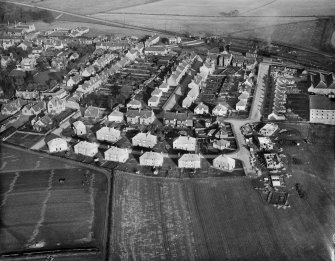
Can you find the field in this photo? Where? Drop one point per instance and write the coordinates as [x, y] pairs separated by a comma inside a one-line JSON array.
[[40, 213], [210, 219], [24, 139]]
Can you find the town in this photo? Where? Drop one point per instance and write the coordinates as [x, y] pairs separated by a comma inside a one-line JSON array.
[[176, 109]]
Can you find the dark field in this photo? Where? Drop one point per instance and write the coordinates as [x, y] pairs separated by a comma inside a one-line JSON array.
[[212, 219], [39, 213], [24, 139]]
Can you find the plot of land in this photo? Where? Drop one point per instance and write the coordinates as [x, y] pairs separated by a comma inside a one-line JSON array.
[[41, 212], [24, 139], [212, 219]]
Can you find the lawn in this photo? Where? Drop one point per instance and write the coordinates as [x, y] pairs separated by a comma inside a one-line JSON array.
[[209, 219], [36, 208]]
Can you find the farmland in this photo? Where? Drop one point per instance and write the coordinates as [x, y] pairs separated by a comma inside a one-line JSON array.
[[212, 219], [54, 215]]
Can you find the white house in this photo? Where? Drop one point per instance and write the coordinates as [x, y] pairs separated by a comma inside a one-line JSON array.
[[134, 104], [56, 105], [164, 87], [153, 101], [117, 154], [57, 145], [224, 162], [146, 140], [220, 110], [86, 148], [268, 129], [190, 161], [108, 134], [116, 116], [221, 144], [185, 143], [157, 92], [79, 128], [153, 159], [201, 109], [241, 105]]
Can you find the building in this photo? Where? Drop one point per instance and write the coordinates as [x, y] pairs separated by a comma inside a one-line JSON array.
[[189, 161], [164, 87], [265, 143], [152, 40], [43, 123], [153, 159], [273, 161], [177, 119], [268, 129], [221, 144], [28, 63], [185, 143], [86, 148], [153, 101], [117, 154], [157, 93], [116, 116], [12, 106], [134, 104], [33, 109], [146, 140], [156, 50], [220, 110], [201, 109], [108, 134], [57, 145], [241, 105], [56, 105], [94, 113], [322, 84], [322, 110], [224, 162], [79, 128], [140, 117]]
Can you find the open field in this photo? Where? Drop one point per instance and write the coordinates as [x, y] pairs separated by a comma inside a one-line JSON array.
[[40, 213], [212, 219]]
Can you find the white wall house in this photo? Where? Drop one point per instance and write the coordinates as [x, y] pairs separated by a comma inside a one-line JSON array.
[[57, 145], [117, 154]]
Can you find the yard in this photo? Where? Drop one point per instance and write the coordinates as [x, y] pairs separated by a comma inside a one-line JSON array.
[[54, 214], [26, 140], [212, 219]]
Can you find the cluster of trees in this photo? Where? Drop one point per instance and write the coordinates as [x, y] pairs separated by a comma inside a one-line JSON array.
[[11, 13]]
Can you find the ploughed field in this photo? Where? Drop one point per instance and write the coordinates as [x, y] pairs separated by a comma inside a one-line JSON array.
[[209, 219], [39, 211]]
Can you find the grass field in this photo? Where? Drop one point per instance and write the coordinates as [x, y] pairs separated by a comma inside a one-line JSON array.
[[212, 219], [24, 139], [40, 213]]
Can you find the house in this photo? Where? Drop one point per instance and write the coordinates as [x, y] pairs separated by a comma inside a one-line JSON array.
[[153, 159], [153, 101], [117, 154], [27, 95], [220, 110], [88, 71], [222, 133], [33, 108], [86, 148], [37, 50], [25, 45], [132, 54], [56, 105], [134, 104], [57, 145], [185, 143], [116, 116], [273, 161], [146, 140], [12, 106], [108, 134], [28, 63], [201, 109], [276, 180], [5, 60], [157, 92], [241, 105], [42, 123], [322, 84], [94, 113], [224, 162], [164, 87], [74, 80], [140, 117], [59, 63], [79, 128], [152, 40], [268, 129], [189, 161], [155, 50], [221, 144], [177, 119], [322, 110], [244, 96], [174, 40]]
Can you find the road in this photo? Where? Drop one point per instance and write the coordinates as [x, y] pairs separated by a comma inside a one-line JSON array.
[[103, 21]]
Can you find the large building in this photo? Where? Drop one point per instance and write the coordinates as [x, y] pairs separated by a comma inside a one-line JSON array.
[[322, 110]]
